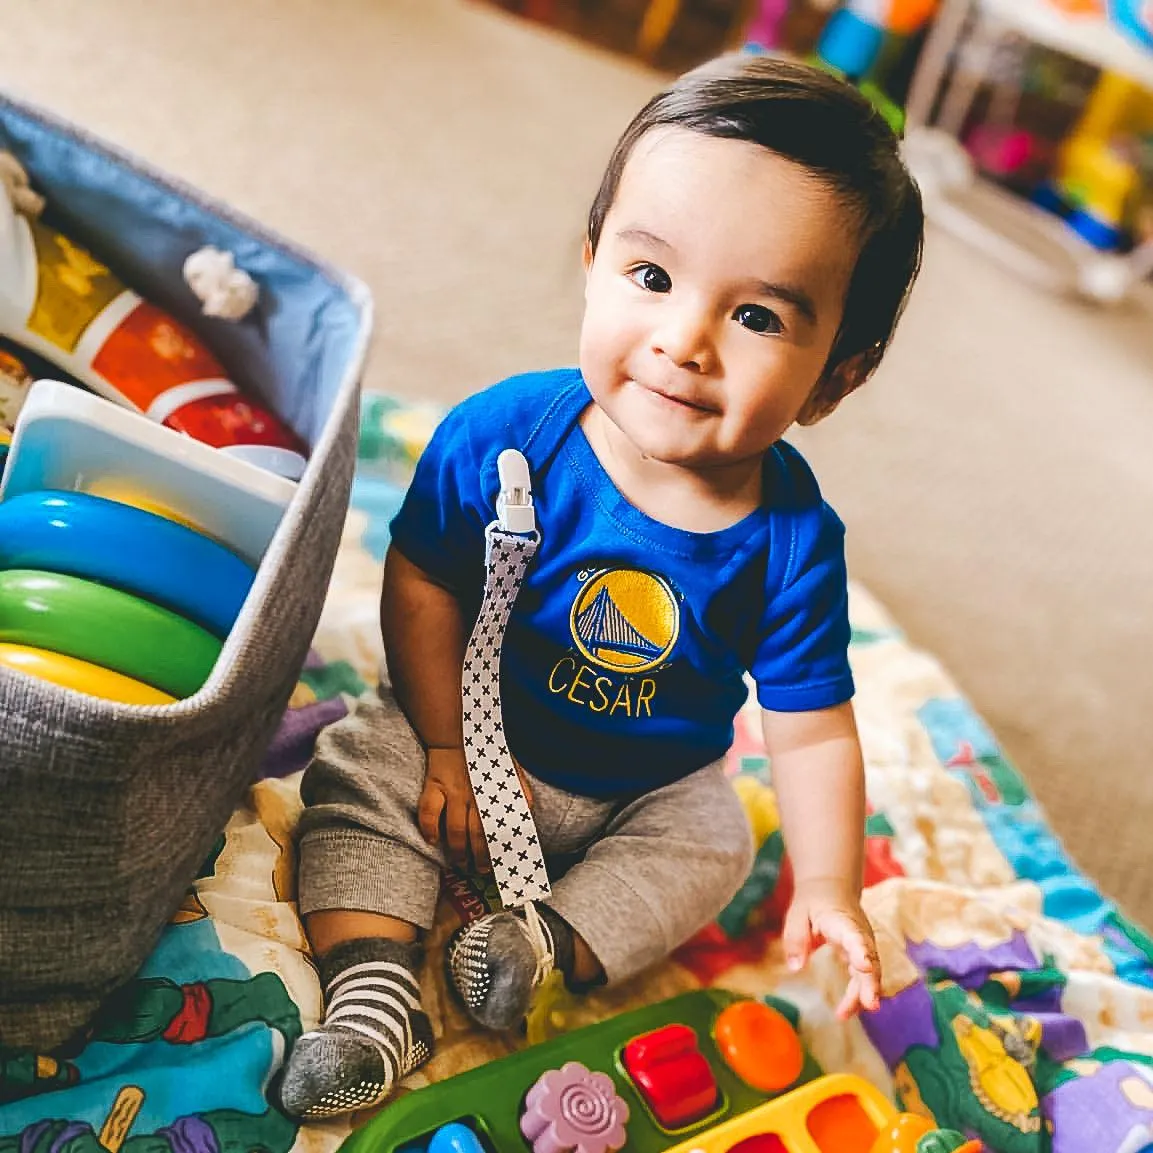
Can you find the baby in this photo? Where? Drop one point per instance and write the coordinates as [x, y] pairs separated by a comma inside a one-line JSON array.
[[748, 255]]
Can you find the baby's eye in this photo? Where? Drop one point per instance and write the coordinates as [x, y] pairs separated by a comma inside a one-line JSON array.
[[758, 318], [652, 278]]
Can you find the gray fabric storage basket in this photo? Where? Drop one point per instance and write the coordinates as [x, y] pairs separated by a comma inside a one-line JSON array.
[[107, 811]]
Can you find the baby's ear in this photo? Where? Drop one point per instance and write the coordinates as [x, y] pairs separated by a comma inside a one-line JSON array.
[[844, 377], [587, 255]]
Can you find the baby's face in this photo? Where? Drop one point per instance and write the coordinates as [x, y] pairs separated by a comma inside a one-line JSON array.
[[714, 297]]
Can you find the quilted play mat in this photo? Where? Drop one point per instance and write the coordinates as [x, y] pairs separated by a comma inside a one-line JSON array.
[[1018, 1002]]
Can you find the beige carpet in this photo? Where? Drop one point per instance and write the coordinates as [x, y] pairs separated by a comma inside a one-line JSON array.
[[997, 478]]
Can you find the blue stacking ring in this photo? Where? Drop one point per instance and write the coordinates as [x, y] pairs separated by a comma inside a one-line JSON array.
[[77, 534]]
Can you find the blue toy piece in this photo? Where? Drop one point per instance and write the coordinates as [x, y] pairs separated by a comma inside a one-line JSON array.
[[80, 535], [1135, 18], [850, 44], [455, 1138]]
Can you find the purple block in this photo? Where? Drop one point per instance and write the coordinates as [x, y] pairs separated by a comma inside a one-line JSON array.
[[573, 1110]]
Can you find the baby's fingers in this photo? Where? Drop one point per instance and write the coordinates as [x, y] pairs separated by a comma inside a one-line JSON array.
[[428, 812], [852, 1002], [797, 936], [869, 986], [844, 933], [864, 989], [456, 828], [477, 842]]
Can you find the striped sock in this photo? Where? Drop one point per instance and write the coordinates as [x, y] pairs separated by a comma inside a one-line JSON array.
[[374, 1032]]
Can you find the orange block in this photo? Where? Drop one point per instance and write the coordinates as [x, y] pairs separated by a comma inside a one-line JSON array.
[[909, 16], [759, 1045]]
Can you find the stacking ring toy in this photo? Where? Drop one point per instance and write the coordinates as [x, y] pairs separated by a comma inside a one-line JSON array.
[[125, 493], [84, 677], [107, 627], [87, 536]]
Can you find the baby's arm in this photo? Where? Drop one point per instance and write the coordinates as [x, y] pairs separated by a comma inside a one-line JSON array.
[[424, 644], [819, 778]]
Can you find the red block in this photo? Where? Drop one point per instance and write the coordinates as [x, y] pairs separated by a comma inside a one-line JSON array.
[[672, 1075]]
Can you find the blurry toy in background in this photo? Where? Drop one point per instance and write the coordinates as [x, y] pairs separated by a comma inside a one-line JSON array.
[[1033, 98], [767, 28], [393, 434], [1135, 18], [866, 41], [860, 34], [999, 143], [1102, 174], [1005, 152], [61, 302]]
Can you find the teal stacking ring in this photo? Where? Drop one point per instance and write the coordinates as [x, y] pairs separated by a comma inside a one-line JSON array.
[[96, 539]]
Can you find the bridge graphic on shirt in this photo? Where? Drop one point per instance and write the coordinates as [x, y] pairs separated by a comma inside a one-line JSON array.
[[603, 626]]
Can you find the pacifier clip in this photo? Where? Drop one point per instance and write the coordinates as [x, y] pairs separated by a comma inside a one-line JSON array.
[[509, 829]]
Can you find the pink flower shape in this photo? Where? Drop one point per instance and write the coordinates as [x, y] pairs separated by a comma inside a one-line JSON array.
[[573, 1110]]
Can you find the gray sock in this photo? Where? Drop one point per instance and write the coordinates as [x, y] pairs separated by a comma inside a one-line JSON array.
[[373, 1033], [494, 962]]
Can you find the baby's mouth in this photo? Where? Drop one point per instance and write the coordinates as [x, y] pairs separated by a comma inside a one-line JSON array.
[[690, 404]]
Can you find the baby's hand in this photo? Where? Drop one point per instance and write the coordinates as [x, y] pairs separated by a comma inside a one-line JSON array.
[[829, 910], [447, 801]]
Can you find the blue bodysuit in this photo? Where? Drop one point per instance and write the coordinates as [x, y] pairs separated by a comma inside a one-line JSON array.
[[624, 658]]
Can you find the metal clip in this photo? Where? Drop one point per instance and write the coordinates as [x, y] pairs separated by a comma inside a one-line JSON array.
[[514, 508]]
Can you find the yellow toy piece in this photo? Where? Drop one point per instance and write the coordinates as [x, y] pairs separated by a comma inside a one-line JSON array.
[[548, 1017], [125, 493], [81, 676], [760, 803], [903, 1135], [840, 1113], [1096, 171]]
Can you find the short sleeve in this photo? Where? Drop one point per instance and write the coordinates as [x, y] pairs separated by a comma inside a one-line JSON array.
[[801, 661], [440, 526]]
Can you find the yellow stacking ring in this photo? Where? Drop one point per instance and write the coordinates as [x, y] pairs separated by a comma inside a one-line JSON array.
[[82, 676], [125, 493]]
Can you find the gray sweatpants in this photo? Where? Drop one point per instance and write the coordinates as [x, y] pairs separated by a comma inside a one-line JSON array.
[[650, 872]]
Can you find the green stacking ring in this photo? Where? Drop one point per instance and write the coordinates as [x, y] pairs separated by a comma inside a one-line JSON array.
[[107, 627]]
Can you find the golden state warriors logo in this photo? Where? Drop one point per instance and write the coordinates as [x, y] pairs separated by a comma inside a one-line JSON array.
[[625, 620]]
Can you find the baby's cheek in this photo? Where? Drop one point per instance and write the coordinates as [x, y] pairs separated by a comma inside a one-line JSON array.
[[600, 350]]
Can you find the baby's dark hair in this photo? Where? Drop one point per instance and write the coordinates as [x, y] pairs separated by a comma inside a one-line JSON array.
[[826, 126]]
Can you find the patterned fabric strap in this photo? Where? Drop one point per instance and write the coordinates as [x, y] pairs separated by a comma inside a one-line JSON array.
[[509, 829]]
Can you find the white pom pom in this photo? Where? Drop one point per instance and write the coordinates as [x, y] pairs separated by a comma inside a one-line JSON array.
[[223, 289], [15, 182]]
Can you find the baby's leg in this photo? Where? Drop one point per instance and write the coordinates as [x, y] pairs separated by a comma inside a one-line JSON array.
[[367, 883], [666, 865], [653, 873]]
